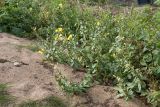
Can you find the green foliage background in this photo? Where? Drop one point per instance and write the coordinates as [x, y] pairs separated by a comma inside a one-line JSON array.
[[122, 50]]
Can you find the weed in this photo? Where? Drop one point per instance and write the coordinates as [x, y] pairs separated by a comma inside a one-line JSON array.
[[48, 102]]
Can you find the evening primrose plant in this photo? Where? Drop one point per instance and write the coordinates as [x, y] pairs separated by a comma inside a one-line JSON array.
[[85, 50], [59, 30], [122, 50]]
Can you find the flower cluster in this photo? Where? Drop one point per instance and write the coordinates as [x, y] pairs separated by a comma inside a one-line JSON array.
[[60, 36], [41, 51]]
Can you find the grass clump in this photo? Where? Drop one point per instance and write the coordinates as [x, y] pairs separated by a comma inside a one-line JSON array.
[[48, 102], [5, 98]]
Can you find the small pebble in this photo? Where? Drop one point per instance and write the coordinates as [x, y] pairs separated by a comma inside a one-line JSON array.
[[17, 64]]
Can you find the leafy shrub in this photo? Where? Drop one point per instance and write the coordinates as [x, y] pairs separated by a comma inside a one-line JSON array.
[[136, 52], [72, 87], [69, 17], [21, 17], [88, 48], [123, 48]]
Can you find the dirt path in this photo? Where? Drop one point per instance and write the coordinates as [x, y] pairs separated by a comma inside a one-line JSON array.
[[22, 70], [29, 79]]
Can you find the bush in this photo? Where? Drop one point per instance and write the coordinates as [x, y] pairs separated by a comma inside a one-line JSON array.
[[123, 48], [136, 52], [21, 17]]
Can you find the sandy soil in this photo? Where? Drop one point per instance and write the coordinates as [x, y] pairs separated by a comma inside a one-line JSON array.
[[29, 79]]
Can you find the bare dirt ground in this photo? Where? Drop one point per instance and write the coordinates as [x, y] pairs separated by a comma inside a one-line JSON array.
[[29, 79]]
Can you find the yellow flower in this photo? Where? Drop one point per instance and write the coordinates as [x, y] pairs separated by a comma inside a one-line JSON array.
[[41, 51], [98, 23], [59, 30], [60, 5], [70, 37], [56, 30], [58, 37]]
